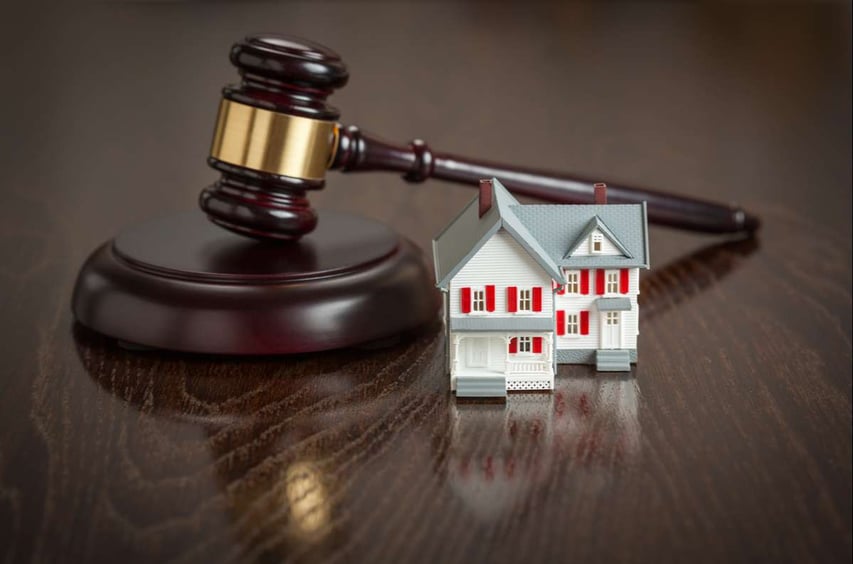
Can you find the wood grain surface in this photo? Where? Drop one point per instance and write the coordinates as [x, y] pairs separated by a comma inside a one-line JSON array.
[[730, 441]]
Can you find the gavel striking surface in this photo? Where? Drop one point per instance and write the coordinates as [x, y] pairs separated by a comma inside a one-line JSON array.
[[181, 283]]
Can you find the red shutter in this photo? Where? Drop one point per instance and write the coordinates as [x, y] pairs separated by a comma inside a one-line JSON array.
[[513, 345], [537, 298], [465, 300], [584, 323], [623, 281], [585, 281], [537, 344], [490, 298], [511, 299], [599, 281], [562, 290], [561, 322]]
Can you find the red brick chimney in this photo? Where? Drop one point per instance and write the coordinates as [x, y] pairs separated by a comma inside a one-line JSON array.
[[600, 193], [485, 196]]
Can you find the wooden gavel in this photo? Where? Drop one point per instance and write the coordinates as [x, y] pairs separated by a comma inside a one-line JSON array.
[[276, 136]]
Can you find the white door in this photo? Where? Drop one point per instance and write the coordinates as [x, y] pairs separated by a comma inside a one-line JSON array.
[[611, 330], [478, 352]]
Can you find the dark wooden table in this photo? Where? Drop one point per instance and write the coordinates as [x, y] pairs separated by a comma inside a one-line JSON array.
[[731, 440]]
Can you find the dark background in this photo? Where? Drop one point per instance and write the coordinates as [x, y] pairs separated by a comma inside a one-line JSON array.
[[731, 440]]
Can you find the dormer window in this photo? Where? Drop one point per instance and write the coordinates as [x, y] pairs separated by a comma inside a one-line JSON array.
[[596, 242]]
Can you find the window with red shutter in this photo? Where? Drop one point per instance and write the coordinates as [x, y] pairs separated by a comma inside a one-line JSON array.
[[585, 281], [623, 281], [513, 345], [599, 281], [465, 300], [490, 298], [512, 299], [537, 298], [561, 322], [537, 344], [584, 323]]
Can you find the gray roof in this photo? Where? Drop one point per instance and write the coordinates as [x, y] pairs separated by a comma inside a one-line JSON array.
[[560, 228], [463, 237], [518, 323], [547, 231]]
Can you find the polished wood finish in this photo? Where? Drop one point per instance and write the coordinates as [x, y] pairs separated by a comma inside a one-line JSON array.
[[294, 76], [290, 76], [359, 151], [730, 441], [180, 283]]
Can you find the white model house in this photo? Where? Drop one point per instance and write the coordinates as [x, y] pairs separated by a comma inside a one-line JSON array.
[[527, 287]]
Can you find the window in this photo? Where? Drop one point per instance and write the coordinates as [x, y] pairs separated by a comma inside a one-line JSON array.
[[525, 344], [612, 318], [596, 242], [612, 282], [525, 301], [572, 324], [573, 282], [478, 300]]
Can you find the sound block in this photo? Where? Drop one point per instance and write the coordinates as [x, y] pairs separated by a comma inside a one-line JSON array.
[[181, 283]]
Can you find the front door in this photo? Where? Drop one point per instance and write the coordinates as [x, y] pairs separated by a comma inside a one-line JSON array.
[[611, 330], [478, 352]]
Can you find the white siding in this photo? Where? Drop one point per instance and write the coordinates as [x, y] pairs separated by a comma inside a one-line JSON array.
[[607, 248], [574, 303], [503, 262], [542, 377]]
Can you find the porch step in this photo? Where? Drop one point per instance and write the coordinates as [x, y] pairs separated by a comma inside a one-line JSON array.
[[612, 360], [481, 386]]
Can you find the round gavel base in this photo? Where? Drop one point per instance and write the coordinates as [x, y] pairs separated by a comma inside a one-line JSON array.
[[181, 283]]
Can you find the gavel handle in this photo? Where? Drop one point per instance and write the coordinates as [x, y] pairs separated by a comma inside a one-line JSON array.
[[359, 151]]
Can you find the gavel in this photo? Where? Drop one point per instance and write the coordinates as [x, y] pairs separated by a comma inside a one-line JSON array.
[[276, 136]]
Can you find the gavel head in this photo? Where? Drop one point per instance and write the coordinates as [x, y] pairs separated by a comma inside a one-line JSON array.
[[275, 137]]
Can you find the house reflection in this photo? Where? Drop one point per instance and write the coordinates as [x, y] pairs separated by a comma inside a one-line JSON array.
[[501, 453]]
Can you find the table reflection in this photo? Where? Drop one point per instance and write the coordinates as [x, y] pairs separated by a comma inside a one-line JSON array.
[[500, 454], [294, 452]]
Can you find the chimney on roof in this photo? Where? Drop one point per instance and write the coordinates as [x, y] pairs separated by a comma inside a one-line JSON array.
[[485, 196], [600, 193]]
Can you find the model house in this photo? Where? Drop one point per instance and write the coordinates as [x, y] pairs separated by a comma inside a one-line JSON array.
[[527, 287]]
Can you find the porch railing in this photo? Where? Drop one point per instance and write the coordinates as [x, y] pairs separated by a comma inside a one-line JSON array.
[[526, 367]]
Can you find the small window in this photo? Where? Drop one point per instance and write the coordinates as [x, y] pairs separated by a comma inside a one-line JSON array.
[[612, 318], [478, 300], [596, 243], [525, 344], [525, 301], [572, 324], [573, 282], [612, 282]]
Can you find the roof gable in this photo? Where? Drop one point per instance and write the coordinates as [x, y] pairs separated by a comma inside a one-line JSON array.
[[466, 234], [595, 224], [558, 227]]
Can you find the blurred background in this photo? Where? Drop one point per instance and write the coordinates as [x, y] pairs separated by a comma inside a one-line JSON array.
[[729, 442]]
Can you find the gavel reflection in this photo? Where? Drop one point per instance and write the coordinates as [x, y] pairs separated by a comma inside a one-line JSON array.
[[276, 136]]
